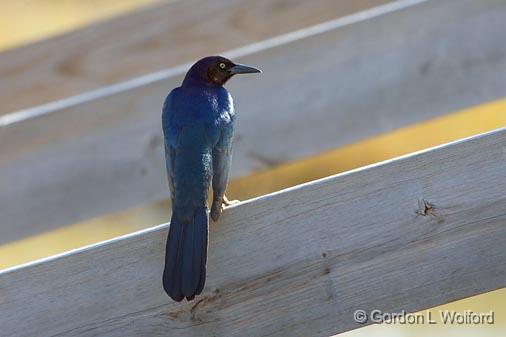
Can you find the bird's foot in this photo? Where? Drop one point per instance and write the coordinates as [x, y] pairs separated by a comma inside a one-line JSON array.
[[218, 207], [227, 202]]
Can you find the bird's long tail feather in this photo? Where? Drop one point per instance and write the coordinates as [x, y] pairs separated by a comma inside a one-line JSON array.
[[186, 256]]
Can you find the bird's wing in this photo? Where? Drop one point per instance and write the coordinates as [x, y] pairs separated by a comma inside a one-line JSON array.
[[170, 141], [222, 159]]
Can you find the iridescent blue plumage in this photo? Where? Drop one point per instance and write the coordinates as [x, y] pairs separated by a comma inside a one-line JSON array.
[[198, 125]]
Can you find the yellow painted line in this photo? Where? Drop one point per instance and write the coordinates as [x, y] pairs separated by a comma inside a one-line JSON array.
[[416, 137], [82, 234]]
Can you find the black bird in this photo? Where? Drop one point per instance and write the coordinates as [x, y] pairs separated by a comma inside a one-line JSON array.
[[198, 126]]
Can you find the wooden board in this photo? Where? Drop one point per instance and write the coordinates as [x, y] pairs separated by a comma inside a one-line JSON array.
[[322, 88], [149, 40], [298, 262]]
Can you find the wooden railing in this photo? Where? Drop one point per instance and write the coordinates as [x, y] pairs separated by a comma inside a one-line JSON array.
[[407, 234], [156, 38]]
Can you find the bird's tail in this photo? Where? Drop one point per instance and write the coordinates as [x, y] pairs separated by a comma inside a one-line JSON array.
[[185, 256]]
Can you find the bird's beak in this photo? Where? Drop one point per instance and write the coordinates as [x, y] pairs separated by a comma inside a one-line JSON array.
[[243, 69]]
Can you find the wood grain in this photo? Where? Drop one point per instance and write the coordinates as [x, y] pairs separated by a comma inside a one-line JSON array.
[[298, 262], [317, 93], [149, 40]]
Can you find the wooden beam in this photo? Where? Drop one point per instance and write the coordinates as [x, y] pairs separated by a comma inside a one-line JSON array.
[[322, 87], [406, 234], [149, 40]]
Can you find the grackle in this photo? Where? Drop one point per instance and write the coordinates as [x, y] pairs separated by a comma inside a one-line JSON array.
[[198, 126]]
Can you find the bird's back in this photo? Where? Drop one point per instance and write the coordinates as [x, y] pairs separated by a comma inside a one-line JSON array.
[[193, 120]]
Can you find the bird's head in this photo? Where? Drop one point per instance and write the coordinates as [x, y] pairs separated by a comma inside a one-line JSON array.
[[215, 70]]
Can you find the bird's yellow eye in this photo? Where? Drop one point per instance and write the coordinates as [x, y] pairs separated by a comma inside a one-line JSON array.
[[222, 65]]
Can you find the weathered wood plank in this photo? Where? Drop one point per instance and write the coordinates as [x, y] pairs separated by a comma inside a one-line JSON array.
[[297, 262], [322, 87], [148, 40]]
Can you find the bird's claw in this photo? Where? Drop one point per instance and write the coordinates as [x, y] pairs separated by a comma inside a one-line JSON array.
[[226, 202], [219, 205]]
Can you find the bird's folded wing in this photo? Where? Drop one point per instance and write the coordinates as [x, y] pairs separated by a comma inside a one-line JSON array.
[[222, 159]]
